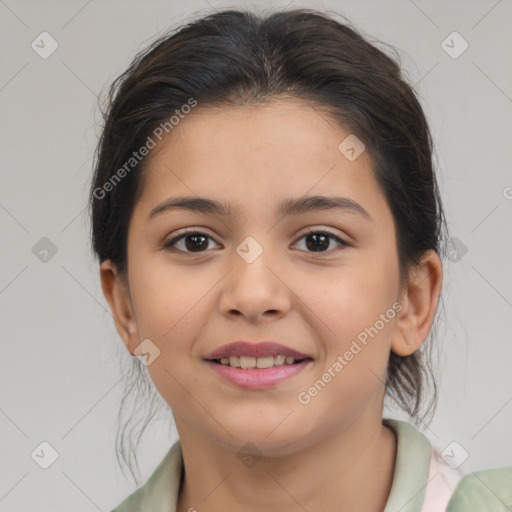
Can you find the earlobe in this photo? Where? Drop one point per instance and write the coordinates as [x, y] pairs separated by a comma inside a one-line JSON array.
[[116, 291], [419, 305]]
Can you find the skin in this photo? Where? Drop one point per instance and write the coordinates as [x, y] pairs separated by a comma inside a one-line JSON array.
[[332, 451]]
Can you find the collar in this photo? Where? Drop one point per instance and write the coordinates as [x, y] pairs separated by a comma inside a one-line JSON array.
[[411, 468]]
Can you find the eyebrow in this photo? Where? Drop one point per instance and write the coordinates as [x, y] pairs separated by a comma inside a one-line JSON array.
[[287, 207]]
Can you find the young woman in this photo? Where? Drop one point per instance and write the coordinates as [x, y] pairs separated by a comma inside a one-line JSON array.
[[269, 229]]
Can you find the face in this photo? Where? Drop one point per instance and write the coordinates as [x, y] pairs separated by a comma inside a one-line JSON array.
[[324, 282]]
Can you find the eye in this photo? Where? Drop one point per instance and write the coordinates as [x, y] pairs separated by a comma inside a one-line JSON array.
[[191, 241], [319, 241]]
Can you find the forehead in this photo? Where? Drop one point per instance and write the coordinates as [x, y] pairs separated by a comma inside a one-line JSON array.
[[284, 129], [256, 155]]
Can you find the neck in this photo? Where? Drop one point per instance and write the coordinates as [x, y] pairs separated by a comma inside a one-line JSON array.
[[351, 470]]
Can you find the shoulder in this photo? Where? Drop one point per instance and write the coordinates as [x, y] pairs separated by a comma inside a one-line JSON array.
[[441, 488], [160, 492], [486, 490]]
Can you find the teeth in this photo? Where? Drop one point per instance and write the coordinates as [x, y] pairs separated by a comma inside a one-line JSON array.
[[279, 360], [265, 362], [256, 362], [247, 362], [233, 361]]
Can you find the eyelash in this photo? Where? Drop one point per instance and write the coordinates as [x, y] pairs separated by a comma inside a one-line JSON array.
[[168, 245]]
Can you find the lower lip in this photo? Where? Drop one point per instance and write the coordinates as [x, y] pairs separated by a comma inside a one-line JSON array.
[[258, 378]]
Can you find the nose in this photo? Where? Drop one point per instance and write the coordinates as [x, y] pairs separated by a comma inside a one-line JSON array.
[[255, 290]]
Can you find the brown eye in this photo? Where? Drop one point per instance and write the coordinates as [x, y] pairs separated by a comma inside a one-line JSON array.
[[320, 241], [191, 242]]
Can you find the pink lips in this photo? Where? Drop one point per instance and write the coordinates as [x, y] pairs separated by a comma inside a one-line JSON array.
[[257, 378], [262, 349]]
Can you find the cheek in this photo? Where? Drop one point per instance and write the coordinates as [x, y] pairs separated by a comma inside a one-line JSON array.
[[352, 300], [168, 302], [356, 320]]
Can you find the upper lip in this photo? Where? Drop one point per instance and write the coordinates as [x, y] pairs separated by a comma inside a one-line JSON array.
[[261, 349]]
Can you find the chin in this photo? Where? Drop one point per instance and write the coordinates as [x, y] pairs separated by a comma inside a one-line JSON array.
[[263, 438]]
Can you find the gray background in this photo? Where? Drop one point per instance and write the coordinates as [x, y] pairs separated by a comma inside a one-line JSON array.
[[60, 375]]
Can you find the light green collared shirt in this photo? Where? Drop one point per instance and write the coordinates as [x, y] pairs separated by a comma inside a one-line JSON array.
[[420, 484]]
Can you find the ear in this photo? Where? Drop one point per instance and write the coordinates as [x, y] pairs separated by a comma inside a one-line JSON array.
[[116, 290], [419, 303]]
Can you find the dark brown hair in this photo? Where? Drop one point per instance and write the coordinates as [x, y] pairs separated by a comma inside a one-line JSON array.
[[232, 58]]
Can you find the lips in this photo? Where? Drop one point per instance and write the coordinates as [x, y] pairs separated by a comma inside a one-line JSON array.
[[262, 349], [255, 378]]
